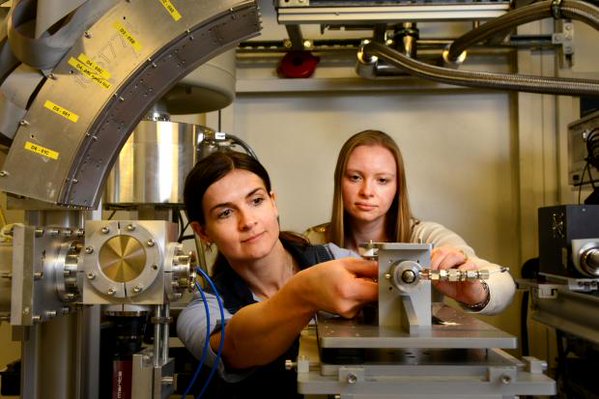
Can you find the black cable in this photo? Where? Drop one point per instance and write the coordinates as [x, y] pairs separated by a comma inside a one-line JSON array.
[[112, 214], [584, 171], [185, 238], [182, 237], [179, 222], [592, 144]]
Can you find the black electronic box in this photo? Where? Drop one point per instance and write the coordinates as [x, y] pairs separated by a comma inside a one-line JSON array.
[[558, 226]]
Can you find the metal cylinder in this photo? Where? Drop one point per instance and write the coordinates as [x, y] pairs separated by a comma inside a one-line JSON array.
[[152, 165], [208, 88]]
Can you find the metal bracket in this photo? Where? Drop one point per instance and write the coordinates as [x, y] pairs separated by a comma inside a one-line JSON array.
[[565, 38], [534, 365], [547, 291]]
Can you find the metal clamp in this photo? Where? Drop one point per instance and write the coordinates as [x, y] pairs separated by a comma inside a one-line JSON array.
[[556, 10]]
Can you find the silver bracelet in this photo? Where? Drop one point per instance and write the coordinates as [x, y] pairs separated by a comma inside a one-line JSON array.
[[477, 307]]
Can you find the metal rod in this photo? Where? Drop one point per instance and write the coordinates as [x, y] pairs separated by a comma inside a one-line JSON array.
[[157, 336], [165, 335]]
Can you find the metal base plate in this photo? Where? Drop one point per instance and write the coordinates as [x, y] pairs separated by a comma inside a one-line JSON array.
[[451, 329], [418, 373]]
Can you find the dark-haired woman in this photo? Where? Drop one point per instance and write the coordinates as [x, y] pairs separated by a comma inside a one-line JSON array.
[[271, 282]]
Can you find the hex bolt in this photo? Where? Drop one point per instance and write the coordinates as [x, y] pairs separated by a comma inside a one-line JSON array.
[[130, 227], [91, 275], [290, 364], [26, 310], [50, 314], [89, 249], [150, 243], [137, 289], [3, 173], [111, 291], [23, 122], [38, 275], [105, 230], [408, 276], [505, 379], [387, 276], [351, 378], [87, 35], [36, 317], [167, 380]]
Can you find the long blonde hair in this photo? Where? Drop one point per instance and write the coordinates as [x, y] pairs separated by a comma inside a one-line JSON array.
[[399, 217]]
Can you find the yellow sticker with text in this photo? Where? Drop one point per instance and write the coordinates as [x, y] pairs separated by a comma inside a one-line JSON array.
[[128, 36], [88, 72], [57, 109], [171, 9], [38, 149], [97, 69]]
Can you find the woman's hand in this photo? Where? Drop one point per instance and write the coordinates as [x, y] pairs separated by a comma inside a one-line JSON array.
[[466, 292], [341, 286]]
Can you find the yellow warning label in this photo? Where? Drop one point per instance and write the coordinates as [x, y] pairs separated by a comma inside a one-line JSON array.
[[89, 73], [38, 149], [57, 109], [128, 36], [171, 9]]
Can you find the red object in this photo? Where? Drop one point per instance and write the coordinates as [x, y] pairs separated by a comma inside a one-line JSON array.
[[121, 379], [298, 64]]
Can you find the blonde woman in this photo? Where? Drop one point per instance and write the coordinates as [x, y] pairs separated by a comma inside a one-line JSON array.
[[370, 202]]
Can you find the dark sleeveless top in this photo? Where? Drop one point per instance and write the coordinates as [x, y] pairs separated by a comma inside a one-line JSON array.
[[271, 380]]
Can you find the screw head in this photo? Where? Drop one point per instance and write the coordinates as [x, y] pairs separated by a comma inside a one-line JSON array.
[[351, 378]]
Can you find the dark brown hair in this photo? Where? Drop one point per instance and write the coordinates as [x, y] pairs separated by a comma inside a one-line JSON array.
[[211, 169]]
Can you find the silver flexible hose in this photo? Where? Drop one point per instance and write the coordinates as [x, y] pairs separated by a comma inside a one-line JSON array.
[[570, 9], [503, 81]]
